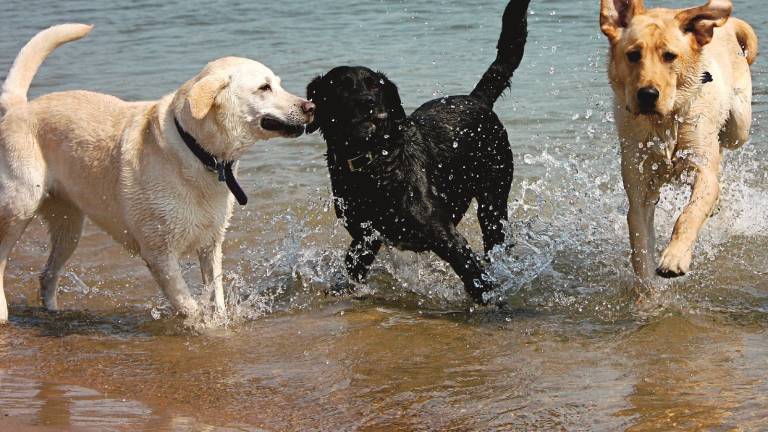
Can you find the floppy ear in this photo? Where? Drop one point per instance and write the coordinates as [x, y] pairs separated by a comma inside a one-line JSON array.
[[203, 93], [392, 99], [616, 15], [316, 93], [702, 20]]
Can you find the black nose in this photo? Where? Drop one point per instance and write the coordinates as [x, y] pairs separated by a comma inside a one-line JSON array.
[[647, 97], [369, 101]]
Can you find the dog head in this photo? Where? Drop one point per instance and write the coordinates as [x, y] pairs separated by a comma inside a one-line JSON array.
[[354, 103], [234, 102], [655, 53]]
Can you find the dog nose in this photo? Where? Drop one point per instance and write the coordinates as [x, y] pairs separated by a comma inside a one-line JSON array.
[[369, 101], [308, 107], [648, 96]]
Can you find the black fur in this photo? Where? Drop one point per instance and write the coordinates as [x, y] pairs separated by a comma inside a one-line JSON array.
[[419, 173]]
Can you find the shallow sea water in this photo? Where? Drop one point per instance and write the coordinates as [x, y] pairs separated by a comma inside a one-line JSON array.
[[407, 352]]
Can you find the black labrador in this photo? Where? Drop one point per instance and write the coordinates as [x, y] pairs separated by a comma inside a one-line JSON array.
[[408, 180]]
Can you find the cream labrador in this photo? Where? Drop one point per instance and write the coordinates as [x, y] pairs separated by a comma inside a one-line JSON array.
[[156, 176], [683, 93]]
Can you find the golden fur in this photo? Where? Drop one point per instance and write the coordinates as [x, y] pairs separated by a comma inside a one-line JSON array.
[[683, 134]]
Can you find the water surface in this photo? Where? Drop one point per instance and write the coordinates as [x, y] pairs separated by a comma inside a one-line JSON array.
[[408, 352]]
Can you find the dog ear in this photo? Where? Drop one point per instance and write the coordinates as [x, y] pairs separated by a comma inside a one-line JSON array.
[[616, 15], [203, 93], [316, 92], [392, 99], [701, 21]]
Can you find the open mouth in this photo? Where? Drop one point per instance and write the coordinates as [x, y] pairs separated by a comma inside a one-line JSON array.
[[374, 119], [273, 124], [648, 112]]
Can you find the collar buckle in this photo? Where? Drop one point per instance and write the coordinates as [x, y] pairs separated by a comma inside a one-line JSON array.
[[221, 170], [367, 159], [213, 164]]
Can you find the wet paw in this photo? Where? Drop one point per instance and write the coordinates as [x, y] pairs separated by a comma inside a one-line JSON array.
[[188, 308], [341, 288], [675, 262], [482, 292]]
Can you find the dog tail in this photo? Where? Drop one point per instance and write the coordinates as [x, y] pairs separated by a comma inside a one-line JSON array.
[[30, 58], [747, 39], [514, 31]]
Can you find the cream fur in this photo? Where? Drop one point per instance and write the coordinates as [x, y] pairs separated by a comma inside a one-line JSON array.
[[70, 155]]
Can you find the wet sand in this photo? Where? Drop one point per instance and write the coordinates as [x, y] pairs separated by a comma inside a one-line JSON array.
[[354, 365]]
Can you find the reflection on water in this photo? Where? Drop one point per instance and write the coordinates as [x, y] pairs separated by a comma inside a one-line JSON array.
[[569, 352], [356, 365]]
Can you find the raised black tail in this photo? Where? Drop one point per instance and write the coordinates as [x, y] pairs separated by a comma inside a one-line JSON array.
[[514, 31]]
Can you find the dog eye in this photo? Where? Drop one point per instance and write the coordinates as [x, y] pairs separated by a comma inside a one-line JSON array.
[[633, 56], [371, 83], [266, 88], [669, 57]]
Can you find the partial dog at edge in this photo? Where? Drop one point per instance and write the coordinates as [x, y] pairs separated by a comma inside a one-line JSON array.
[[683, 93], [142, 171]]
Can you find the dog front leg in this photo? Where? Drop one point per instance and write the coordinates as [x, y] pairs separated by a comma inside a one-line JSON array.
[[167, 272], [676, 258], [453, 248], [642, 188], [360, 256], [642, 193], [642, 239], [211, 269]]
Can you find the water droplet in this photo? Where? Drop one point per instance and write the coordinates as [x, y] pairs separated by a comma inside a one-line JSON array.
[[455, 144]]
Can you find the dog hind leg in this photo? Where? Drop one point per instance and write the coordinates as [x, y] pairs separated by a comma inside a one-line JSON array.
[[10, 231], [735, 133], [492, 213], [65, 226], [21, 180]]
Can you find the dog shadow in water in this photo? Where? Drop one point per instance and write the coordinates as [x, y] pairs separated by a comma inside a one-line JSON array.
[[123, 322]]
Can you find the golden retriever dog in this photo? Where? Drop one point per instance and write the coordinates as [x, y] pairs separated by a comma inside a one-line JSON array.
[[683, 93], [158, 177]]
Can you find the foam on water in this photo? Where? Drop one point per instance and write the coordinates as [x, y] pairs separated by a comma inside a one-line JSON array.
[[567, 254]]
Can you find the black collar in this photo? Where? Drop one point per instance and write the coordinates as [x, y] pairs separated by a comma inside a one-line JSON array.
[[361, 162], [223, 168]]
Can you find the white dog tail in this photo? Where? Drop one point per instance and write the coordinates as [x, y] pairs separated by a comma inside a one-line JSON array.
[[31, 57]]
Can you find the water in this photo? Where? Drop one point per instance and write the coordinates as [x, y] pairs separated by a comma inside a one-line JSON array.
[[406, 352]]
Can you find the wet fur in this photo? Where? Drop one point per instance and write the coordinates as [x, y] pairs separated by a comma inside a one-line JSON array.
[[695, 118], [427, 166], [68, 155]]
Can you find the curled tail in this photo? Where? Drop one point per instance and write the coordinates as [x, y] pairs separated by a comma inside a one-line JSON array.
[[747, 39], [31, 57], [514, 31]]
